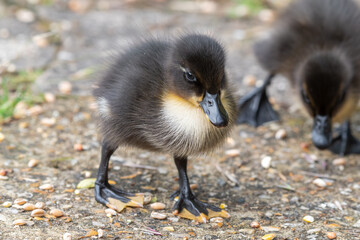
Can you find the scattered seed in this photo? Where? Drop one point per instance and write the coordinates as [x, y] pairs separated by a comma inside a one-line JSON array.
[[319, 182], [78, 147], [19, 222], [7, 204], [65, 87], [47, 187], [20, 201], [266, 162], [254, 224], [35, 110], [280, 134], [249, 80], [3, 172], [23, 125], [110, 212], [56, 213], [37, 213], [2, 137], [308, 219], [168, 229], [29, 207], [232, 152], [268, 236], [217, 220], [33, 163], [193, 186], [339, 162], [331, 235], [157, 215], [223, 206], [67, 236], [158, 206], [39, 205]]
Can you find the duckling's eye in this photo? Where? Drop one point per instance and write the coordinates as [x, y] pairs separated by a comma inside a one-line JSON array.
[[190, 77]]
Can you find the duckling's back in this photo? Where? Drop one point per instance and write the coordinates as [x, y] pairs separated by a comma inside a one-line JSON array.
[[128, 97], [307, 26]]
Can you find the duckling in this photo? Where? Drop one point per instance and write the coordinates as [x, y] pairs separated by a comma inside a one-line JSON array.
[[169, 96], [315, 44]]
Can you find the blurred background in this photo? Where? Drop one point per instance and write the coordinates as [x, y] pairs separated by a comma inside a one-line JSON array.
[[50, 47]]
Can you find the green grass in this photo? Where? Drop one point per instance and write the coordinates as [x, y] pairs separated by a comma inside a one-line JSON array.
[[253, 6], [15, 88]]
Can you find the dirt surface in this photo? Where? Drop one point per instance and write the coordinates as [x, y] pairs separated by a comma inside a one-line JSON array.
[[278, 197]]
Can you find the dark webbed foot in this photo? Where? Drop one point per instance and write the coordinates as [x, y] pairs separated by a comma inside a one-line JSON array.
[[109, 195], [187, 206], [345, 143], [191, 208], [115, 198], [255, 108]]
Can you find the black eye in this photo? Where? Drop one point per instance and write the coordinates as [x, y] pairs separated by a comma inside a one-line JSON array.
[[190, 77], [305, 97]]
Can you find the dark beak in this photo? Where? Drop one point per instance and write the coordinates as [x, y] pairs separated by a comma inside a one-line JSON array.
[[321, 133], [214, 109]]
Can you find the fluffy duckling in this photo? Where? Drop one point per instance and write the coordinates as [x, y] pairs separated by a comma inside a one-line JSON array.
[[316, 45], [165, 96]]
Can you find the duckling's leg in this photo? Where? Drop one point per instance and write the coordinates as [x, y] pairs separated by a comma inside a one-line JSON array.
[[187, 206], [345, 143], [255, 108], [108, 195]]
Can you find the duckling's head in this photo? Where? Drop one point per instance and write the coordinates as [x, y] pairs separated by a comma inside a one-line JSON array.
[[323, 81], [196, 74]]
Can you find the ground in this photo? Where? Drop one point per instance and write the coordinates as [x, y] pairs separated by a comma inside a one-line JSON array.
[[278, 197]]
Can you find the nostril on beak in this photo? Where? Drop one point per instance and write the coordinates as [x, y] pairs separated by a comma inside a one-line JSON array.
[[210, 103]]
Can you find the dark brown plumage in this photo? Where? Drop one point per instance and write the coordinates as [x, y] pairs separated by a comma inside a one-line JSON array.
[[316, 45]]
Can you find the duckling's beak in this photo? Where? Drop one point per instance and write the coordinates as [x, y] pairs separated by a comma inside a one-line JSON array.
[[214, 109], [321, 133]]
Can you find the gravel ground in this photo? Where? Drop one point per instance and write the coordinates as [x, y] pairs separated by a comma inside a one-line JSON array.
[[298, 181]]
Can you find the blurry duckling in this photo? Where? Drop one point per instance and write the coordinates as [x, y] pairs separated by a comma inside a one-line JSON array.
[[316, 45], [165, 96]]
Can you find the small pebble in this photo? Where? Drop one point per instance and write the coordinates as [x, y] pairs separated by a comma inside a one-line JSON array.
[[158, 206], [2, 137], [268, 236], [7, 204], [33, 163], [280, 134], [20, 201], [57, 213], [19, 222], [168, 229], [29, 207], [110, 212], [78, 147], [3, 172], [309, 219], [48, 122], [47, 187], [65, 87], [37, 213], [39, 205], [67, 236], [266, 162], [35, 110], [147, 197], [157, 215], [100, 233], [331, 235], [25, 15], [49, 97], [254, 224], [339, 162], [319, 182]]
